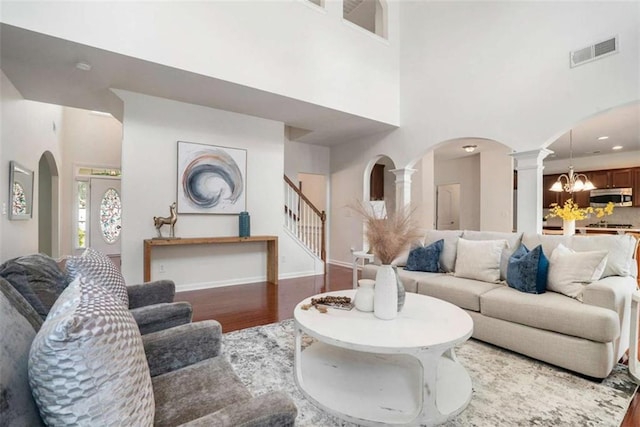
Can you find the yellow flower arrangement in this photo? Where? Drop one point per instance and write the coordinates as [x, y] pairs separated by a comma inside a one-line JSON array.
[[571, 211]]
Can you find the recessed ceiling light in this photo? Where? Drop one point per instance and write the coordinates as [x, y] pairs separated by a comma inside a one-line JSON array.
[[84, 66], [469, 148], [602, 138], [616, 147]]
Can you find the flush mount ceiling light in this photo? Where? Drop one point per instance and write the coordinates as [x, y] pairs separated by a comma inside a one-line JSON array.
[[469, 148], [84, 66], [617, 147], [572, 181], [602, 138]]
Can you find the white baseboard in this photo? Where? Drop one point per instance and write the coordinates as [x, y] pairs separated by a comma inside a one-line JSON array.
[[298, 274], [341, 263], [242, 281]]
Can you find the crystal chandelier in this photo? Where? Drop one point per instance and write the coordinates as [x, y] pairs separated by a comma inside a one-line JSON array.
[[572, 181]]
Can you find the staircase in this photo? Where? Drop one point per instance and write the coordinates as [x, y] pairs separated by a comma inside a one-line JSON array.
[[304, 221]]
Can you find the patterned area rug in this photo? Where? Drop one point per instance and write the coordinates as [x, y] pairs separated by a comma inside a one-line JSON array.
[[508, 389]]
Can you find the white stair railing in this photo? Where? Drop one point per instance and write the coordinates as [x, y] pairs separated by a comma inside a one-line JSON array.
[[304, 220]]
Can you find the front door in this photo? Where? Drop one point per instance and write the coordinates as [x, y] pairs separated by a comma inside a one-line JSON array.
[[105, 216]]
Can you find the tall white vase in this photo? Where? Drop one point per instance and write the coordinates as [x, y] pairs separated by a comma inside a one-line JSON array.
[[568, 227], [385, 302]]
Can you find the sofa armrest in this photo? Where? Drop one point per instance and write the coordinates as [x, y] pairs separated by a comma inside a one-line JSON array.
[[153, 318], [614, 293], [151, 293], [273, 409], [182, 346]]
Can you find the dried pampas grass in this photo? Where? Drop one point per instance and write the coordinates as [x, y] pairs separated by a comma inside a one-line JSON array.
[[388, 237]]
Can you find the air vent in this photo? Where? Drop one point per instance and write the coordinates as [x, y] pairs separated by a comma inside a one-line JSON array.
[[593, 52]]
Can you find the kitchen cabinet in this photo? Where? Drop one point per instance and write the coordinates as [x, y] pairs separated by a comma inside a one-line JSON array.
[[600, 179], [636, 187], [579, 197], [549, 196], [611, 178], [614, 178]]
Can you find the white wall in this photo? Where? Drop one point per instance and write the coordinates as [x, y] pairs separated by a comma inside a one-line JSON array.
[[314, 187], [284, 47], [495, 70], [88, 140], [152, 127], [27, 131], [305, 158], [496, 190]]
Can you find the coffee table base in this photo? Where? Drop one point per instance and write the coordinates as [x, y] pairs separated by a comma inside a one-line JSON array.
[[382, 389]]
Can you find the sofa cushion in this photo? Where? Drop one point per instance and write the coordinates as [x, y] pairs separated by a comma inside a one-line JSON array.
[[548, 241], [101, 270], [410, 278], [425, 258], [620, 249], [19, 325], [513, 243], [552, 311], [448, 254], [479, 259], [465, 293], [528, 270], [38, 278], [87, 364], [570, 271]]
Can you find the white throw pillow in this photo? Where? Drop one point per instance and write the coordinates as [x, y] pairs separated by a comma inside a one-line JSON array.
[[448, 254], [570, 271], [479, 259], [620, 249]]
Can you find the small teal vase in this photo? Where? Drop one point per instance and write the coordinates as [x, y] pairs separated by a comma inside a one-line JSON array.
[[244, 224]]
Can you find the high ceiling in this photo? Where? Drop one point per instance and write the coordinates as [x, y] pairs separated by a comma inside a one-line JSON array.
[[621, 125], [44, 68]]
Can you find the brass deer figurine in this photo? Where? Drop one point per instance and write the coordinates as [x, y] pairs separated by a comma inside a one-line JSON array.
[[171, 220]]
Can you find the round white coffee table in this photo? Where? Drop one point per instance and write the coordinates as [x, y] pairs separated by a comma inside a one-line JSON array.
[[384, 372]]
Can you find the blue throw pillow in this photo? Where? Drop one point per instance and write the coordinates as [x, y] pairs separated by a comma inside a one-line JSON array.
[[425, 258], [527, 271]]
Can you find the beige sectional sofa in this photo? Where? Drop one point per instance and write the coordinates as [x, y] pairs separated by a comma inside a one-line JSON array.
[[587, 336]]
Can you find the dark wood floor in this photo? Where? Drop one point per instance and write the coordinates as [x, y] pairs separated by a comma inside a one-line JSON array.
[[243, 306]]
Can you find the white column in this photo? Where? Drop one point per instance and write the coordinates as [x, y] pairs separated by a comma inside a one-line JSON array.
[[403, 187], [529, 207]]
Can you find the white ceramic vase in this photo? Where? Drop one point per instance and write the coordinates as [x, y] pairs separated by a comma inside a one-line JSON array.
[[365, 295], [568, 227], [385, 303]]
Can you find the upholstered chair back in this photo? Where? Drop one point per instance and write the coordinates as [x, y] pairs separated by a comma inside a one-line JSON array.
[[20, 323]]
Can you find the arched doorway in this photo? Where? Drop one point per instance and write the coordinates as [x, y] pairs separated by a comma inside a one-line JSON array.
[[379, 183], [48, 203]]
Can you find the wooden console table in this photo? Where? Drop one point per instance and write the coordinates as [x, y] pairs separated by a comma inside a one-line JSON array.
[[272, 250]]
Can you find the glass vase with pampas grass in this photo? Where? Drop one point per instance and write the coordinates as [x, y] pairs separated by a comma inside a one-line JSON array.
[[388, 236]]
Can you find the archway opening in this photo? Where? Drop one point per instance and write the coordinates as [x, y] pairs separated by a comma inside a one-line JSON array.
[[48, 204], [472, 187], [368, 14]]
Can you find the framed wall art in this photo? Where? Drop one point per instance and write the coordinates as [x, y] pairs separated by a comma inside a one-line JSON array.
[[20, 191], [211, 179]]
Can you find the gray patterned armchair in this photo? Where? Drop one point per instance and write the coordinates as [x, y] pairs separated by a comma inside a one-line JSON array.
[[188, 382], [40, 280]]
